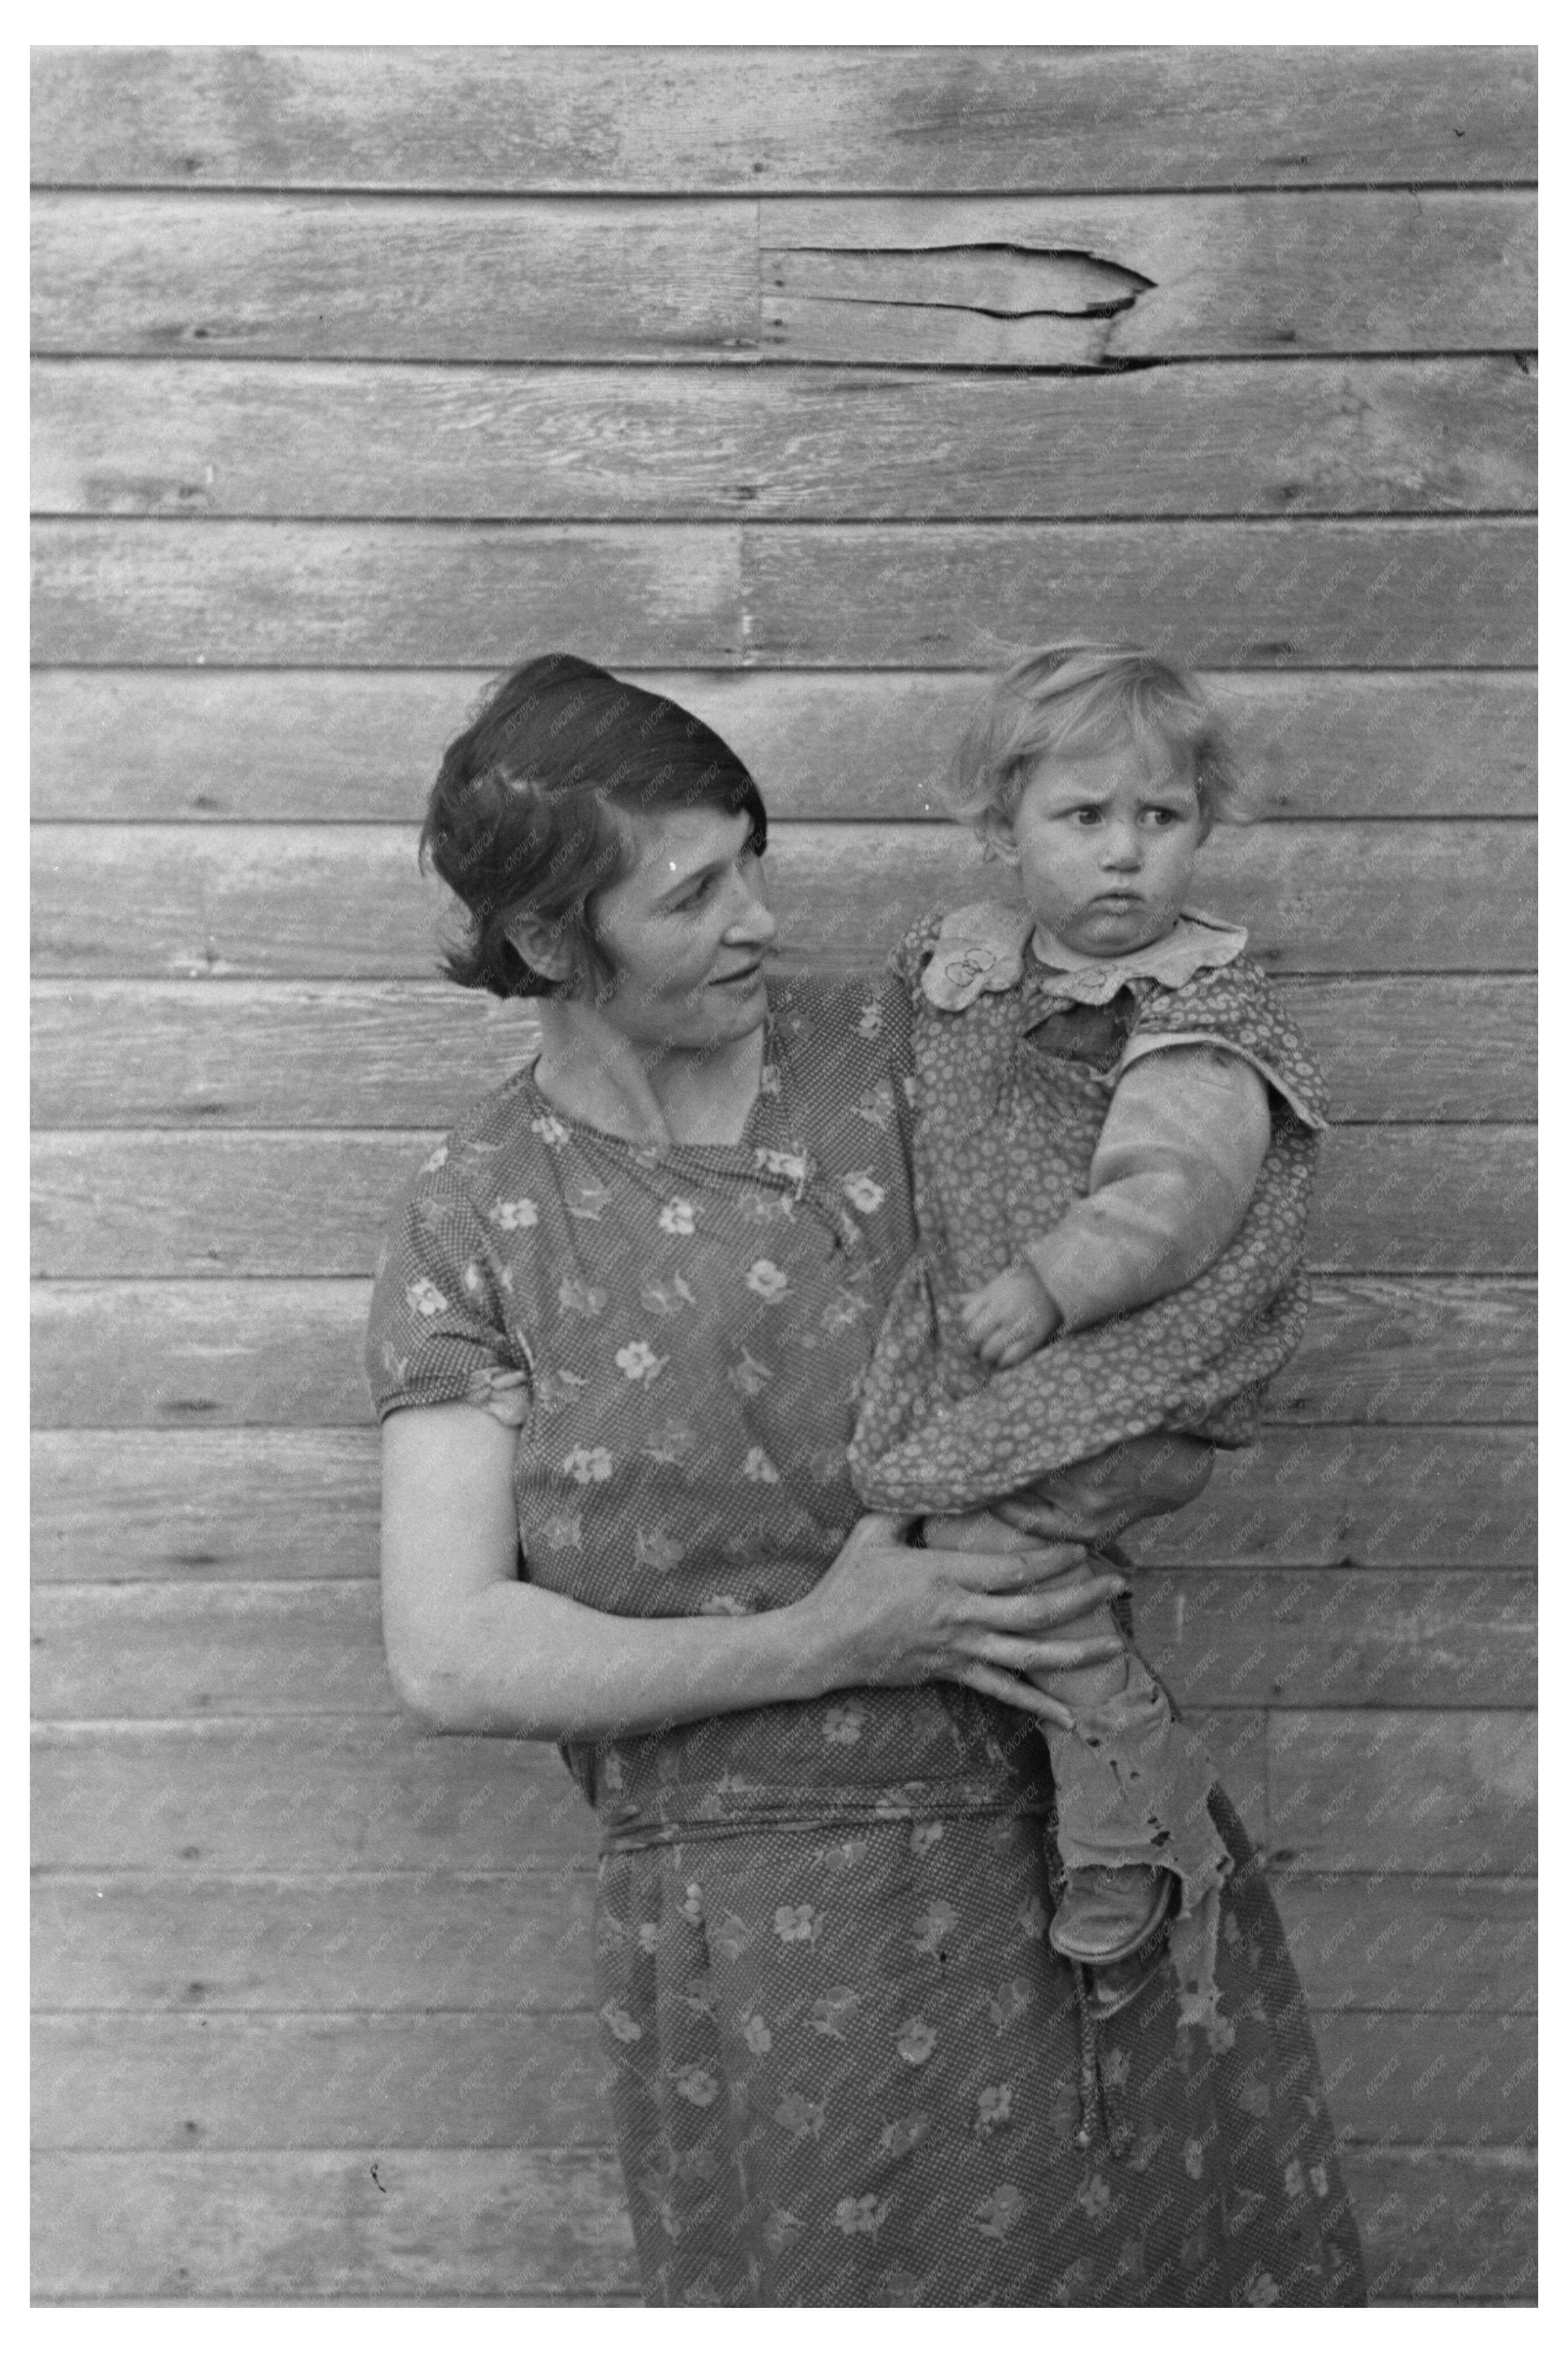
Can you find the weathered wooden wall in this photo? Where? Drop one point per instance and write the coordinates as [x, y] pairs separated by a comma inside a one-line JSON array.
[[814, 383]]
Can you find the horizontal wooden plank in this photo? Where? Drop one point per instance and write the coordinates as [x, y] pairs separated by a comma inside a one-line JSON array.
[[239, 1054], [1459, 2225], [109, 2081], [1317, 1638], [1400, 594], [517, 1942], [1466, 2083], [1362, 1942], [1393, 595], [439, 2226], [465, 2080], [1404, 1790], [1323, 437], [967, 282], [631, 118], [1033, 281], [315, 1201], [205, 1944], [335, 902], [277, 2227], [381, 595], [1412, 1350], [173, 1355], [1314, 1639], [128, 1505], [361, 1793], [328, 745], [307, 277], [289, 1793]]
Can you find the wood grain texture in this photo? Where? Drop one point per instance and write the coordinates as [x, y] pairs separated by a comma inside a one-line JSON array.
[[298, 1794], [441, 2226], [1409, 594], [517, 1942], [1312, 1639], [295, 1944], [635, 119], [114, 2081], [335, 902], [1323, 437], [324, 746], [1403, 1789], [216, 1353], [207, 1504], [304, 277], [1404, 594], [1037, 281], [384, 595], [1361, 1943], [972, 281], [237, 1054], [315, 1201], [275, 2227]]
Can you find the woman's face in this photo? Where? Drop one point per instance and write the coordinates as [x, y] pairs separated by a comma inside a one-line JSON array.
[[686, 931]]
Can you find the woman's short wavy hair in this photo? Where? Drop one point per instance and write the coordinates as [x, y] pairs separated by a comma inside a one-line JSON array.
[[1064, 699], [522, 820]]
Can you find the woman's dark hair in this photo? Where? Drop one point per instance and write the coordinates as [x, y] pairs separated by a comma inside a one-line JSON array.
[[521, 818]]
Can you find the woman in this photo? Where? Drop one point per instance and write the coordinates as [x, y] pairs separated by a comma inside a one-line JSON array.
[[622, 1317]]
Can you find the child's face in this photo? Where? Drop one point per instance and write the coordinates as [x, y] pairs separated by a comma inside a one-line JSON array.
[[1104, 844]]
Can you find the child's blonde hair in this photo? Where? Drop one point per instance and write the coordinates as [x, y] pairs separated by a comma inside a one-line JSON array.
[[1064, 699]]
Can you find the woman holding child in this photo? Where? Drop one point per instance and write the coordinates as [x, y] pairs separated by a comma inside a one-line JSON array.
[[626, 1320]]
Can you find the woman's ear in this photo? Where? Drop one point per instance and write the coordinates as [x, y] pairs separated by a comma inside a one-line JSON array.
[[542, 946]]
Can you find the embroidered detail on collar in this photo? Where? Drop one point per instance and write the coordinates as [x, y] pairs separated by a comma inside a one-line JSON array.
[[979, 948], [1197, 943]]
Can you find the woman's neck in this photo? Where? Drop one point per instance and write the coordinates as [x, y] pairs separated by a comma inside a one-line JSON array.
[[589, 1071]]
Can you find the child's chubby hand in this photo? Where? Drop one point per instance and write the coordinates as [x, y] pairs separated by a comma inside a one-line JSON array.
[[1010, 1318]]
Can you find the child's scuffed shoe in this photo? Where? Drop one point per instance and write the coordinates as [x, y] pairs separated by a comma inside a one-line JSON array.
[[1105, 1916]]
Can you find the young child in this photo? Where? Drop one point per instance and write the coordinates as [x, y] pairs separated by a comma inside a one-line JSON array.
[[1117, 1131]]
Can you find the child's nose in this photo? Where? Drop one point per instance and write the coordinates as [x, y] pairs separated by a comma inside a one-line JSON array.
[[1122, 848]]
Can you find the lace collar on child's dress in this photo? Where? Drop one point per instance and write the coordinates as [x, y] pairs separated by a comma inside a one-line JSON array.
[[984, 949]]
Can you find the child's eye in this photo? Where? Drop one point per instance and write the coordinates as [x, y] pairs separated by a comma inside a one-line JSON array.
[[1085, 815]]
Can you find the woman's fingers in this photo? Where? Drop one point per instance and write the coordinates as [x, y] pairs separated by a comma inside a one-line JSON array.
[[1007, 1572], [1044, 1611], [1015, 1693], [1053, 1657]]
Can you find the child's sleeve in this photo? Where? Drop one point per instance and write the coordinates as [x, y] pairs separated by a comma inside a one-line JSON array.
[[1172, 1175]]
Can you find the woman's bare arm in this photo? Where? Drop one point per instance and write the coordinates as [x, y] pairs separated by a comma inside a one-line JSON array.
[[472, 1649]]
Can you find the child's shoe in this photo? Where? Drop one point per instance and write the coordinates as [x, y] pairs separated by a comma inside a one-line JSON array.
[[1106, 1917]]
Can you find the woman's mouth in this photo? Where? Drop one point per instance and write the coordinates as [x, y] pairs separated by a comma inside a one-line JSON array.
[[739, 979]]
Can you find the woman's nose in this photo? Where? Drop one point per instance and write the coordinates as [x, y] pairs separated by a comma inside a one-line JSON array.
[[751, 921]]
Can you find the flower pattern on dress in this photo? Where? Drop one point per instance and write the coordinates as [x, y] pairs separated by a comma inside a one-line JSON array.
[[514, 1216], [769, 1281], [863, 1192], [638, 1362], [942, 1798], [677, 1217], [424, 1299]]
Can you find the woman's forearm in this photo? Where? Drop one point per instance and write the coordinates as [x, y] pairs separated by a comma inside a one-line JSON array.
[[519, 1660]]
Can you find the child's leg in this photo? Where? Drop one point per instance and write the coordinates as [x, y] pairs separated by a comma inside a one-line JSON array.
[[1132, 1787], [1090, 1687]]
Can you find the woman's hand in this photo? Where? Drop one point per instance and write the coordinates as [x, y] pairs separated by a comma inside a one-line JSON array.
[[1094, 1500], [887, 1613]]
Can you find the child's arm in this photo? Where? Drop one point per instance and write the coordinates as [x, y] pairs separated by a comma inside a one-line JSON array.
[[1173, 1174]]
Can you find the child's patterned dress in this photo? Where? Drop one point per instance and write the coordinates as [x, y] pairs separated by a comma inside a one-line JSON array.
[[1017, 1063]]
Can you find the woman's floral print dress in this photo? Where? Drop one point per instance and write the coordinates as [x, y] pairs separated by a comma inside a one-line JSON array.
[[845, 2067]]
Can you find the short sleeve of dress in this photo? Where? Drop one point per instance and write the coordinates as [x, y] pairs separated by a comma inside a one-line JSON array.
[[1234, 1006], [906, 961], [437, 1331]]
